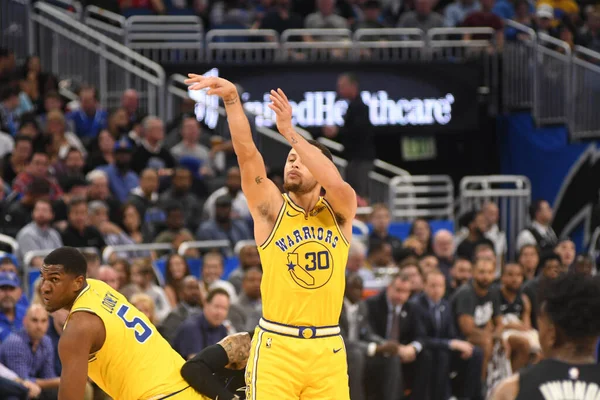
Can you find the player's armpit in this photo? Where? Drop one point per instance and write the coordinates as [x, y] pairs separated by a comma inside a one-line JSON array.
[[237, 347], [263, 196], [81, 335]]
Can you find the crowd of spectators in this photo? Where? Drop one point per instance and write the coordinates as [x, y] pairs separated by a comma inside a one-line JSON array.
[[431, 315], [575, 22]]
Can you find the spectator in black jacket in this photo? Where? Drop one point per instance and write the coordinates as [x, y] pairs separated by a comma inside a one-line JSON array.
[[356, 135], [392, 317], [441, 338], [361, 342]]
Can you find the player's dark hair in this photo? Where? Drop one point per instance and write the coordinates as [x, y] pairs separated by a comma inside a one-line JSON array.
[[528, 246], [76, 202], [572, 302], [483, 246], [352, 78], [544, 258], [255, 268], [22, 138], [504, 267], [323, 148], [534, 207], [71, 259], [215, 292]]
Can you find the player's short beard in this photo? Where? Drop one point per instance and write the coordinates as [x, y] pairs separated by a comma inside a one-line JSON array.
[[298, 188]]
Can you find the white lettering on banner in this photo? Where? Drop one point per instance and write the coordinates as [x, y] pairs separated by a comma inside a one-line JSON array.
[[570, 390], [323, 108]]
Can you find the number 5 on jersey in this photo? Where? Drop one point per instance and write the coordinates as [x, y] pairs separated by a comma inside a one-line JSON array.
[[143, 333]]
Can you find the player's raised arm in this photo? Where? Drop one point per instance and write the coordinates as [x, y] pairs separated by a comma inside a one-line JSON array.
[[339, 193], [263, 196], [74, 349]]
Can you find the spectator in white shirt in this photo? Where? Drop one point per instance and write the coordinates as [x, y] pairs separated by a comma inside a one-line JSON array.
[[38, 234], [233, 188], [492, 215], [539, 233]]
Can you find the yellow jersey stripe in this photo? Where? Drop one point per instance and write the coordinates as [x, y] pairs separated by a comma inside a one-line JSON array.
[[336, 222], [277, 222]]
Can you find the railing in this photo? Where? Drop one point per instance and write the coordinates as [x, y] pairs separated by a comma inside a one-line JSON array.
[[241, 244], [10, 241], [106, 22], [551, 81], [421, 196], [512, 195], [242, 47], [389, 44], [203, 245], [518, 65], [584, 118], [109, 250], [71, 8], [69, 48], [312, 45], [166, 39], [16, 28]]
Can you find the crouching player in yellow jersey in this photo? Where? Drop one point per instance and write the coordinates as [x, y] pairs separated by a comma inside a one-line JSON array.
[[107, 338], [297, 351]]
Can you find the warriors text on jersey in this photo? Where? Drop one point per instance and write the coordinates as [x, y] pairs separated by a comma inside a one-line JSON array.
[[304, 263], [556, 380], [135, 362]]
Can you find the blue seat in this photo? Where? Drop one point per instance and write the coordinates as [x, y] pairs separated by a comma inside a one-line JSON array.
[[195, 266], [401, 229], [192, 164]]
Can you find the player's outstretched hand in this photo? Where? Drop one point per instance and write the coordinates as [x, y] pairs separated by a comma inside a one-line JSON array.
[[216, 86], [283, 110]]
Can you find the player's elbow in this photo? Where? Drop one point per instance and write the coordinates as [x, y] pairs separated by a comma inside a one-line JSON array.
[[195, 373]]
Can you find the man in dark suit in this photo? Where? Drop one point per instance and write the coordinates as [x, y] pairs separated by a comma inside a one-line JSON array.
[[391, 316], [356, 135], [441, 339], [361, 342], [189, 305]]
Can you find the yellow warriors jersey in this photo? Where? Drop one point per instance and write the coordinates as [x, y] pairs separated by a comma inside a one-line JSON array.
[[135, 362], [304, 264]]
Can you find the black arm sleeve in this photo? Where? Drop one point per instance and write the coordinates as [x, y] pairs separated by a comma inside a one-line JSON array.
[[199, 372]]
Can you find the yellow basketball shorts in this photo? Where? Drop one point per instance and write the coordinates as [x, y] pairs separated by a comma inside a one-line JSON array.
[[290, 368]]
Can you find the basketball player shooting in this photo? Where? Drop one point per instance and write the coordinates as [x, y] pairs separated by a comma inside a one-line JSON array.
[[297, 351]]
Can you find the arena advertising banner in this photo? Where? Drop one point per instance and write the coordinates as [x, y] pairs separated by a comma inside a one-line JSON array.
[[566, 174], [402, 98]]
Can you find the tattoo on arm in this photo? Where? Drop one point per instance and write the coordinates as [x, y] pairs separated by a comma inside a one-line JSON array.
[[237, 348], [258, 180], [229, 102], [293, 139]]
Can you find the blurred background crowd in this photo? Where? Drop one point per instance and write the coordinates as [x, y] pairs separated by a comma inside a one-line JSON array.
[[433, 314]]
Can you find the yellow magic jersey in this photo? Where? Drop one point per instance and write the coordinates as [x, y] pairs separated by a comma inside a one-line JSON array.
[[304, 264], [135, 362]]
